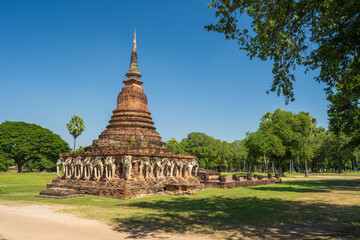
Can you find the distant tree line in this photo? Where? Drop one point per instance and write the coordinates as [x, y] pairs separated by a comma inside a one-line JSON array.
[[211, 153], [284, 141]]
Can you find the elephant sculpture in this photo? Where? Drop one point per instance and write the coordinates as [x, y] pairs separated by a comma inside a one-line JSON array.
[[166, 167], [157, 167], [78, 167], [127, 166], [152, 168], [179, 167], [98, 168], [196, 166], [60, 162], [144, 167], [88, 167], [188, 168], [110, 167], [69, 168]]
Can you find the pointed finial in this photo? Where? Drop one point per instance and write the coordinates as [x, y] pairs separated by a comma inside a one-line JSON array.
[[134, 68]]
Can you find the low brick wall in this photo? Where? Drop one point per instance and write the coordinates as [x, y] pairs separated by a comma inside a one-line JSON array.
[[241, 183]]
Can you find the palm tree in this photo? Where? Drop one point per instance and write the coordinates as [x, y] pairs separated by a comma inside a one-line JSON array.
[[75, 126]]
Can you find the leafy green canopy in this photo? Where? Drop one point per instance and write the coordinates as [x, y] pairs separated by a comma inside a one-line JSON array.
[[31, 144], [335, 151], [210, 152], [321, 35], [282, 136]]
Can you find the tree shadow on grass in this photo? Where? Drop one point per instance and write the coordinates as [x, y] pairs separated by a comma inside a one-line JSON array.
[[313, 186], [290, 189], [246, 217], [329, 184]]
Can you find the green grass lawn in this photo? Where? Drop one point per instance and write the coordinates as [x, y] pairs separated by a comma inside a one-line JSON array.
[[321, 205]]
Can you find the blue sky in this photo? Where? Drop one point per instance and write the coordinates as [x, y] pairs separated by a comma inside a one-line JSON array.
[[65, 58]]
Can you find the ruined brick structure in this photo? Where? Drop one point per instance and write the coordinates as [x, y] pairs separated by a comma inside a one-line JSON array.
[[129, 159]]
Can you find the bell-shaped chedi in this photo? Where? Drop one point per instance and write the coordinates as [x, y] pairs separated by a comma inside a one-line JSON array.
[[131, 124]]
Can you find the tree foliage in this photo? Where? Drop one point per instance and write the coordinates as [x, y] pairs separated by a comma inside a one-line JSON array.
[[5, 161], [281, 136], [211, 153], [281, 139], [322, 35], [30, 144]]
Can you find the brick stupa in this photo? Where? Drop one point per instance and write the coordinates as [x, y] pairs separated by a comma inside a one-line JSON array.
[[129, 159], [131, 123]]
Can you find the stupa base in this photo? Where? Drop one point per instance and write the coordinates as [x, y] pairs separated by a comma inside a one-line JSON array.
[[120, 188]]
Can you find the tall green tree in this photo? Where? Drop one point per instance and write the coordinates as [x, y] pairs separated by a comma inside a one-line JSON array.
[[315, 142], [264, 144], [24, 142], [76, 126], [306, 127], [344, 113], [322, 35], [203, 147], [238, 154], [282, 135], [279, 125], [210, 152], [337, 150]]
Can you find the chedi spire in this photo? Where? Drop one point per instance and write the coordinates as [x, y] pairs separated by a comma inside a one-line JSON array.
[[134, 67]]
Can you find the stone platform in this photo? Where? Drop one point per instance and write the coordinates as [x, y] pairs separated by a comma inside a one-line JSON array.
[[120, 188], [238, 181]]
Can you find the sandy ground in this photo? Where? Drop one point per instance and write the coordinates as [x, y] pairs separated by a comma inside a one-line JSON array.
[[41, 222]]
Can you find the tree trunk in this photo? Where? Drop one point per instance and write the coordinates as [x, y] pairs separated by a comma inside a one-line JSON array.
[[357, 163], [298, 170], [354, 165], [273, 167], [20, 166], [306, 169], [265, 162], [281, 174], [244, 166], [290, 166], [340, 166], [267, 166], [74, 143]]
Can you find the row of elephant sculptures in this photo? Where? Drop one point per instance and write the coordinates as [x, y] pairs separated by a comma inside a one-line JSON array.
[[100, 167], [160, 168], [87, 168]]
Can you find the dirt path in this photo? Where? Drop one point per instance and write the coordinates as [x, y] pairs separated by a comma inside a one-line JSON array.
[[41, 222]]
